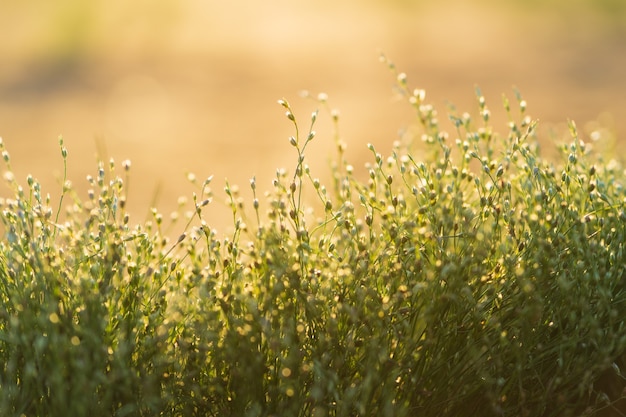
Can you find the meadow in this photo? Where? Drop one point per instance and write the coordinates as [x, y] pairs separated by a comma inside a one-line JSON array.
[[466, 272], [191, 86]]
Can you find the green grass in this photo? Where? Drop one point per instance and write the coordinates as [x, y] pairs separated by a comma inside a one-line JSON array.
[[464, 275]]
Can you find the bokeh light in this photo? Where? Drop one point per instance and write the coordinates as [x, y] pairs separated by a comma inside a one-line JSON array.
[[191, 86]]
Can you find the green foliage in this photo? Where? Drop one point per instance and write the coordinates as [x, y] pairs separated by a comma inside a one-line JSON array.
[[479, 279]]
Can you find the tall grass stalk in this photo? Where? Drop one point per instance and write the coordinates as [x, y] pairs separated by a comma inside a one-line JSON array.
[[464, 275]]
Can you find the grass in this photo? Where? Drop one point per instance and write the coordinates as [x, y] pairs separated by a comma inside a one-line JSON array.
[[476, 279]]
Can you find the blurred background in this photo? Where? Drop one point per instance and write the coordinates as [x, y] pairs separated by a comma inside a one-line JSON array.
[[191, 85]]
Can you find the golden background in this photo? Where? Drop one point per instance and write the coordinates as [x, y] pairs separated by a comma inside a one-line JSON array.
[[191, 86]]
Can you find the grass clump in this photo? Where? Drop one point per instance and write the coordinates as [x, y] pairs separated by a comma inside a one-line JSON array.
[[479, 278]]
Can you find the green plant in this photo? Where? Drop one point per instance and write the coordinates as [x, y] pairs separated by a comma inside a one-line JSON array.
[[479, 279]]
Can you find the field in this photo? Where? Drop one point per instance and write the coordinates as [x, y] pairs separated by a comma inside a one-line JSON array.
[[192, 87], [436, 229]]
